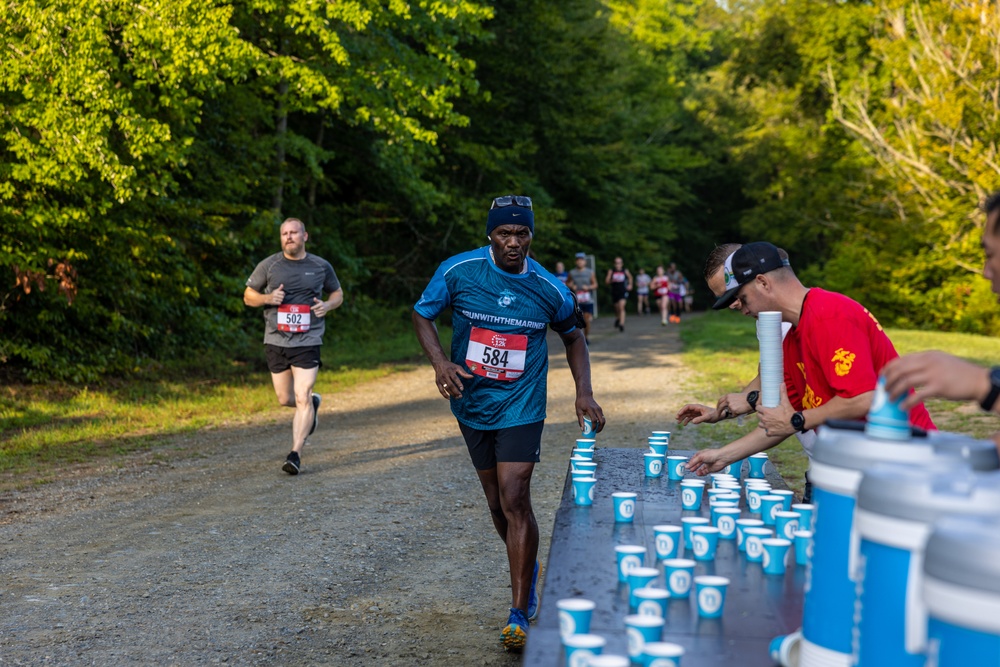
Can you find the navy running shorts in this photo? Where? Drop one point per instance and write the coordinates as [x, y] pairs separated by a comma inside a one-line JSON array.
[[517, 444]]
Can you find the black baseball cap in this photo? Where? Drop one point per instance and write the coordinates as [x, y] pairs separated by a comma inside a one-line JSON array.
[[750, 261]]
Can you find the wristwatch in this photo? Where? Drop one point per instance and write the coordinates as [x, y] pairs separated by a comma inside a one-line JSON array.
[[991, 398], [752, 399], [799, 422]]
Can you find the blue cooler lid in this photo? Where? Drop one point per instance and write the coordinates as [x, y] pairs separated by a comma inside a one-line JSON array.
[[965, 551], [943, 486]]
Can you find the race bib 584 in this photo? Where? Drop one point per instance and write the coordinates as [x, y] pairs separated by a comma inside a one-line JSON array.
[[496, 355]]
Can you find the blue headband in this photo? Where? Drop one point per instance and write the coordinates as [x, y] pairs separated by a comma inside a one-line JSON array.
[[510, 215]]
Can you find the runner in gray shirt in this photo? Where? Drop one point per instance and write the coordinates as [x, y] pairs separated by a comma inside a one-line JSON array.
[[289, 286]]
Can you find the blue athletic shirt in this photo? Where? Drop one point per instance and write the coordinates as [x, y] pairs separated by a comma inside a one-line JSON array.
[[503, 315]]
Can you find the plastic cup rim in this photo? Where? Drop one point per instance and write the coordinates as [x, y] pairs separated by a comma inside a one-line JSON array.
[[776, 542], [711, 580], [651, 593], [585, 641], [696, 520], [576, 604], [704, 529], [678, 563], [644, 620], [624, 494], [805, 534], [667, 528], [629, 549], [667, 650], [644, 572]]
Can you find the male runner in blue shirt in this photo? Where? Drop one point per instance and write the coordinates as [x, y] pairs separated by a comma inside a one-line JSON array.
[[501, 303]]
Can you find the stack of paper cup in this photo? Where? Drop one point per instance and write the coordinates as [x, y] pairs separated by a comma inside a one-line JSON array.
[[771, 370]]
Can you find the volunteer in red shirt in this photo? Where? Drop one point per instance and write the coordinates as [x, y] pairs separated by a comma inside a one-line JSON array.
[[832, 356]]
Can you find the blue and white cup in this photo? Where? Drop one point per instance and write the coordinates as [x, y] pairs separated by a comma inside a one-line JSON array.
[[658, 445], [691, 492], [583, 491], [808, 515], [575, 615], [687, 523], [639, 577], [785, 649], [678, 574], [785, 524], [725, 521], [676, 467], [580, 474], [585, 443], [625, 502], [775, 555], [661, 434], [628, 556], [715, 491], [581, 648], [608, 660], [641, 630], [757, 462], [770, 505], [713, 514], [754, 494], [651, 601], [803, 546], [730, 497], [732, 487], [752, 540], [735, 469], [661, 654], [586, 466], [886, 419], [584, 454], [654, 464], [710, 595], [588, 428], [667, 541], [704, 542], [741, 525], [720, 477], [787, 498]]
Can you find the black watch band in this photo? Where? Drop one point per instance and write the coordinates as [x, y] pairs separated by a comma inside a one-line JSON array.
[[799, 422], [991, 398], [752, 399]]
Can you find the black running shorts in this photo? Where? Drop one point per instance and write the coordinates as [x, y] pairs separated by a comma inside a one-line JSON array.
[[280, 359], [517, 444]]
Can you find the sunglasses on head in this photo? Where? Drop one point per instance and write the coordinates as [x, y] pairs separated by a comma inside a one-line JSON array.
[[511, 200]]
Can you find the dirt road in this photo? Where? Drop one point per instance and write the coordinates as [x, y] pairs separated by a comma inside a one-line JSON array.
[[381, 553]]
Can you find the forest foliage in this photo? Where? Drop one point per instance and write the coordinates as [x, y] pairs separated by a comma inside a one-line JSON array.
[[149, 151]]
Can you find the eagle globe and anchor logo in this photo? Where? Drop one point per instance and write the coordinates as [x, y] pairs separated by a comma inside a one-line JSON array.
[[506, 298]]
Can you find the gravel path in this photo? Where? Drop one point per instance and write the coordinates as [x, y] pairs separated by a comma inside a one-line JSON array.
[[380, 552]]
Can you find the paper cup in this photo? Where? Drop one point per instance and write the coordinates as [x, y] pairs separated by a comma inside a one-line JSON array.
[[785, 524], [808, 515], [624, 502], [581, 648], [786, 498], [608, 661], [803, 546], [784, 649], [676, 467], [574, 616], [583, 491], [770, 505], [588, 428], [584, 454], [710, 595], [678, 573], [689, 522], [757, 462], [661, 434], [661, 654], [741, 525], [659, 447], [639, 577], [725, 521], [640, 630], [704, 542], [651, 602], [691, 495], [654, 464], [775, 554], [667, 541], [628, 556], [752, 538], [585, 443]]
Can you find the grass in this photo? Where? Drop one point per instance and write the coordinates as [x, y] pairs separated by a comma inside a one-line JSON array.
[[46, 429], [721, 349]]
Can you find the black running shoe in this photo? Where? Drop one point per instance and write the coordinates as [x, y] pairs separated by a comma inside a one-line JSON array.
[[317, 399], [292, 464]]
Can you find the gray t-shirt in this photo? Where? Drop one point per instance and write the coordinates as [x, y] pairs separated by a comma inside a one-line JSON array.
[[304, 280], [581, 281]]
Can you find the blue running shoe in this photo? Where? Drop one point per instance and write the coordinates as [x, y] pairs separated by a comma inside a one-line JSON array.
[[533, 594], [515, 633]]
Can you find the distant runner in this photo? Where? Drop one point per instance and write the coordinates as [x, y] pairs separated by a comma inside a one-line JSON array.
[[288, 285]]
